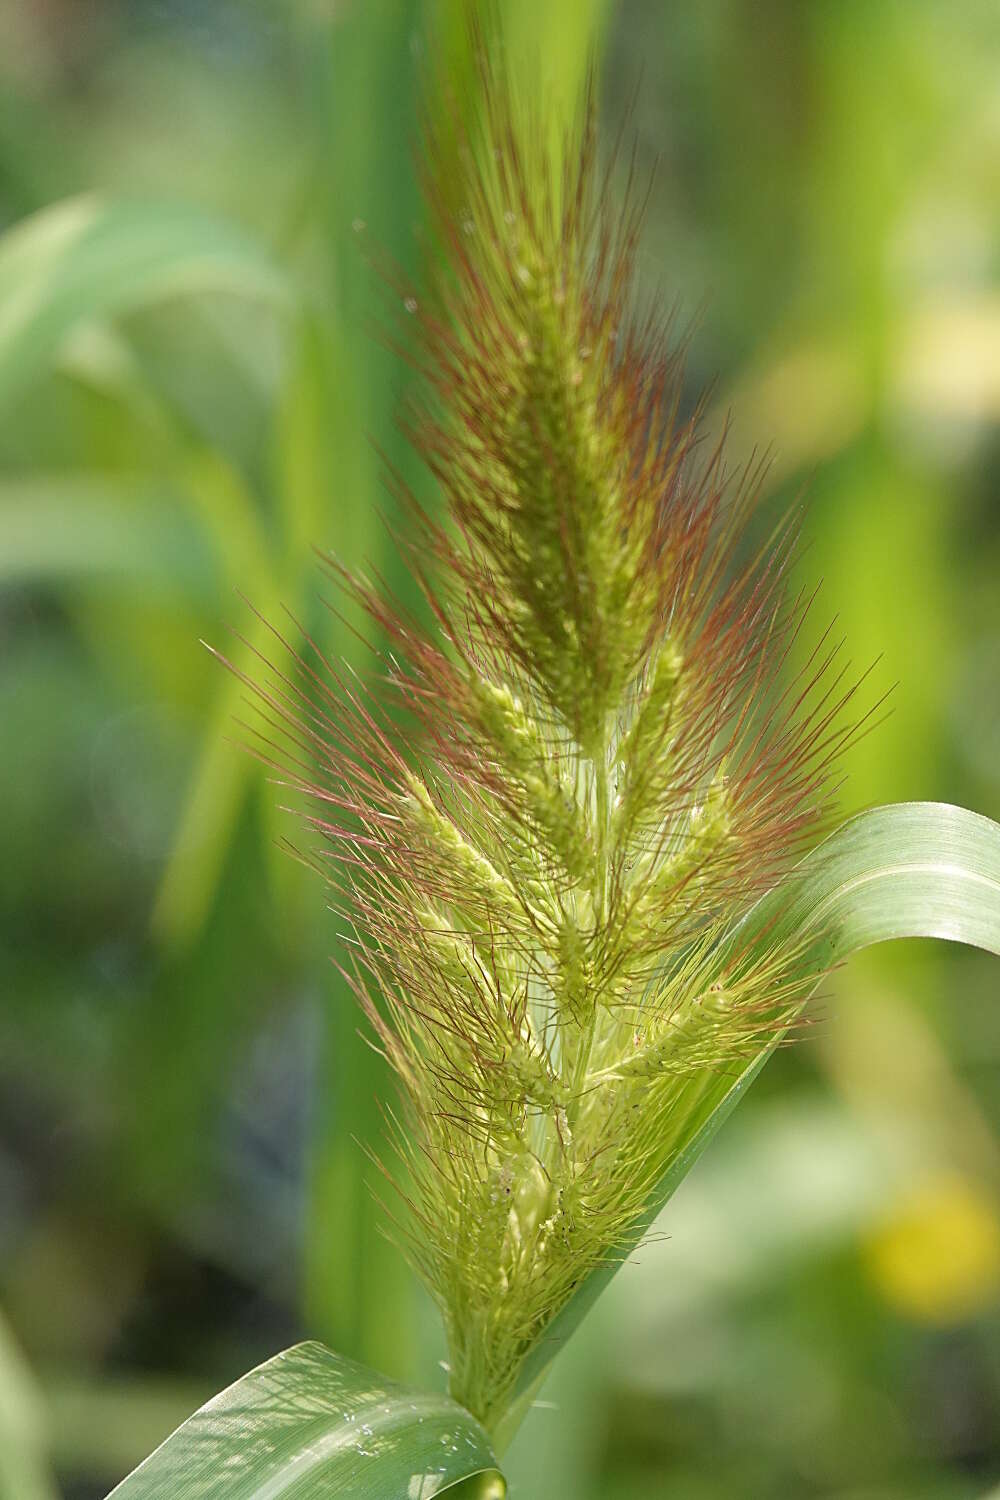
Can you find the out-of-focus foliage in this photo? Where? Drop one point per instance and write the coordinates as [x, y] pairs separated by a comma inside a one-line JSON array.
[[24, 1471], [180, 1193]]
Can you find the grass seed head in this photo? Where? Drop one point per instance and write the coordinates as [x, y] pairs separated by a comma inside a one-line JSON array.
[[602, 770]]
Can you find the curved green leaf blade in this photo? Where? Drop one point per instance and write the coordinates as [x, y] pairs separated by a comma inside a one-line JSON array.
[[912, 869], [86, 258], [308, 1425]]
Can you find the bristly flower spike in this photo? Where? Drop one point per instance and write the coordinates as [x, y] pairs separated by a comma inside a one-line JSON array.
[[599, 772]]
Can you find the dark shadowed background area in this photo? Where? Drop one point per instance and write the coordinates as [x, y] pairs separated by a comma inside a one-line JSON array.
[[189, 391]]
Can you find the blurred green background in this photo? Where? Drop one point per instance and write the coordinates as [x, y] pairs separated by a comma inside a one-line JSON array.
[[190, 399]]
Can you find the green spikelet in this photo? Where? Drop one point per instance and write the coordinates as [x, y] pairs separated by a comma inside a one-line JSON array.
[[530, 763]]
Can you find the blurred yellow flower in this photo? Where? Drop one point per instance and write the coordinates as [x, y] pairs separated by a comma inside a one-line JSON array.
[[937, 1257]]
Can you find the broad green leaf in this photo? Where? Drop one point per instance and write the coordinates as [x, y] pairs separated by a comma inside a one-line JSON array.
[[87, 258], [310, 1425], [914, 869], [356, 1293]]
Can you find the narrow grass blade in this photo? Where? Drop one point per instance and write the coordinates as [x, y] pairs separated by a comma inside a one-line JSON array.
[[913, 869], [310, 1424]]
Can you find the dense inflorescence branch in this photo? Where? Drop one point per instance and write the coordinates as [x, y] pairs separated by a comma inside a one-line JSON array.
[[592, 764]]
